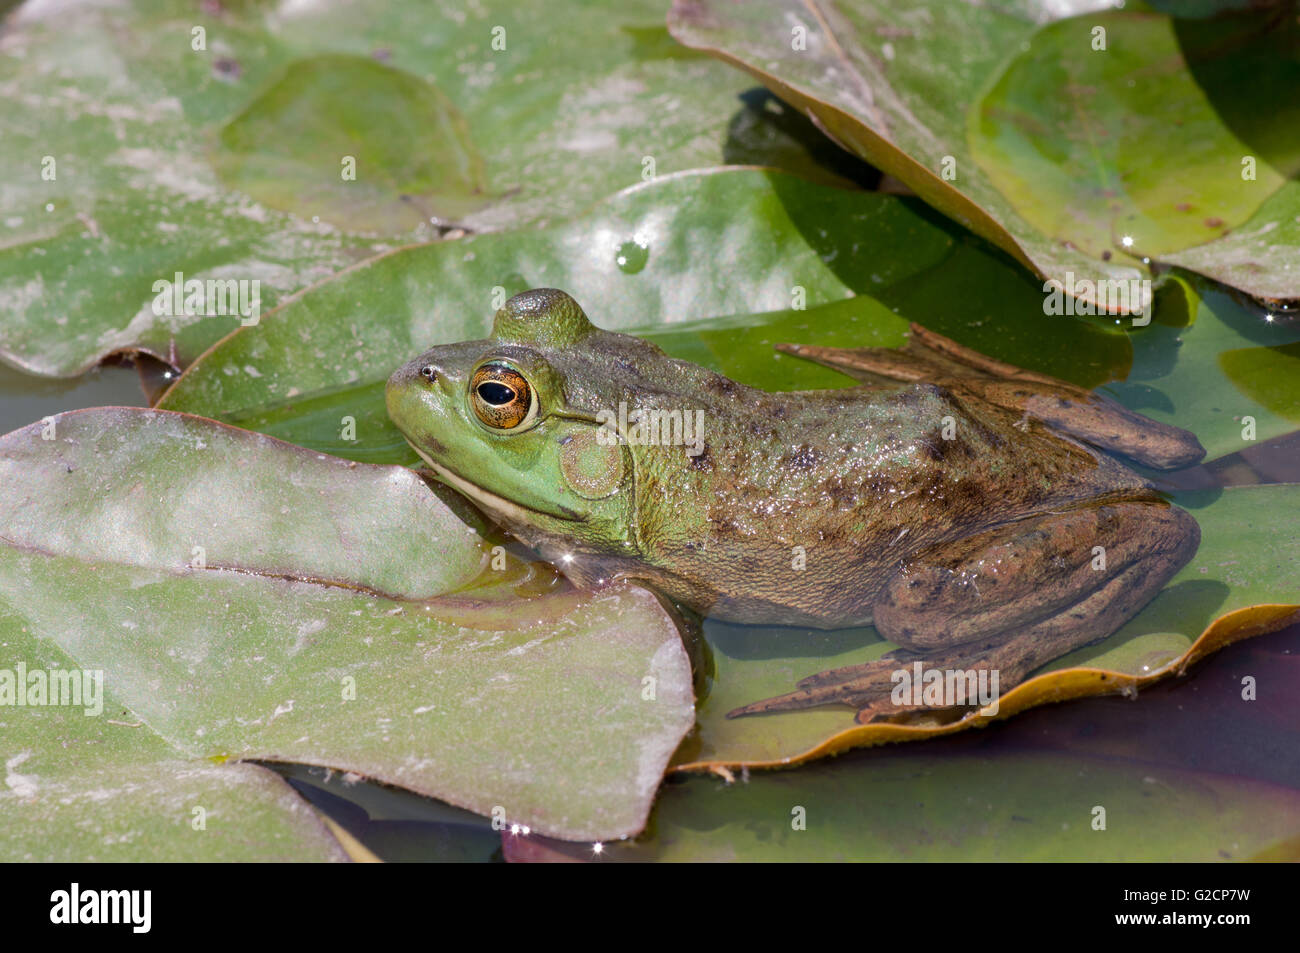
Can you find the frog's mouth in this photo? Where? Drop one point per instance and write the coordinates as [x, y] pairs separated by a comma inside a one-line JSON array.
[[499, 507]]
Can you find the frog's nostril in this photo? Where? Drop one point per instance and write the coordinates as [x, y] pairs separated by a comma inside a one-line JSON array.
[[429, 373]]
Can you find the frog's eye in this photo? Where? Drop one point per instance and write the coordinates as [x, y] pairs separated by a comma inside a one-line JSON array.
[[501, 397]]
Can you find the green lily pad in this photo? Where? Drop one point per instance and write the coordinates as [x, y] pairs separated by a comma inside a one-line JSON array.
[[163, 491], [1031, 806], [131, 116], [864, 264], [1270, 376], [1173, 777], [867, 263], [1066, 135], [1231, 363], [1260, 255], [81, 790], [409, 149], [121, 127], [1035, 128], [558, 711]]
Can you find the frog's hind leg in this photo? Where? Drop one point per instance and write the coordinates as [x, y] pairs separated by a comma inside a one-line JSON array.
[[1008, 601], [1091, 417]]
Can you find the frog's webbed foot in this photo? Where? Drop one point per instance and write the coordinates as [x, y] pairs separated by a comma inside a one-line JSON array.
[[881, 690], [1094, 418], [867, 687], [1000, 604]]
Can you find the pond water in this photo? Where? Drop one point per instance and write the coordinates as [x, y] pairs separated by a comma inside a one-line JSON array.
[[24, 398]]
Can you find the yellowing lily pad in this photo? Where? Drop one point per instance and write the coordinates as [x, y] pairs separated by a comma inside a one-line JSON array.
[[1240, 583]]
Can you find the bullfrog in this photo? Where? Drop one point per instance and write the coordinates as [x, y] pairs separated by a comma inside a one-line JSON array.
[[976, 513]]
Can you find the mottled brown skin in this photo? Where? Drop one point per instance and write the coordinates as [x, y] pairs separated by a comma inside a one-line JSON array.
[[971, 551]]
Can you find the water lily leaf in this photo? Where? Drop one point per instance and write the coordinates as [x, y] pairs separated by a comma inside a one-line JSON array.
[[867, 264], [81, 789], [1171, 775], [1239, 584], [1224, 376], [1037, 134], [1174, 779], [1171, 366], [1260, 255], [110, 191], [1097, 183], [411, 160], [163, 491], [1030, 806], [794, 237], [1270, 376], [280, 649], [114, 116]]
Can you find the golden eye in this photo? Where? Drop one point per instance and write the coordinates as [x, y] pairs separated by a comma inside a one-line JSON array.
[[501, 397]]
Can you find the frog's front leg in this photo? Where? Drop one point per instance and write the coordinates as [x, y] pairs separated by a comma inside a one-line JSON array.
[[1010, 599]]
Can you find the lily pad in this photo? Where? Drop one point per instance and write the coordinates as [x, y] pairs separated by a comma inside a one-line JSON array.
[[1239, 584], [1079, 128], [1215, 376], [1260, 255], [1168, 770], [1034, 127], [867, 263], [114, 115], [1168, 767], [855, 258], [81, 790], [559, 711], [1171, 368], [165, 491], [411, 159], [1029, 806]]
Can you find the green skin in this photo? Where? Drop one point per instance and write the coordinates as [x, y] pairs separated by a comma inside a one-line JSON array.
[[955, 502]]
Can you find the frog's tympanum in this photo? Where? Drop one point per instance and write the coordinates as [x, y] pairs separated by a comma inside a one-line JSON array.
[[963, 506]]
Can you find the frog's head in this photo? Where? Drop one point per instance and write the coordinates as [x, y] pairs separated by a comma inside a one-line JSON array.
[[512, 421]]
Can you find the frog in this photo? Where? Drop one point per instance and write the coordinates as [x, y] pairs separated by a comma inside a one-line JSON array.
[[981, 516]]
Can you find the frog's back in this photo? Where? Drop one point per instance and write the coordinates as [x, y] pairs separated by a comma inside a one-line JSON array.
[[843, 486]]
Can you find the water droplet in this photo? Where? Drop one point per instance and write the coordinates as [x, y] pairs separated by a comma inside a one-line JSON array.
[[631, 257]]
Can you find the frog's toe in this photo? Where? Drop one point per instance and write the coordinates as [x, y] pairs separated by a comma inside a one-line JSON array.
[[792, 701], [866, 677], [854, 685]]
